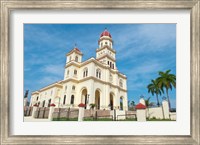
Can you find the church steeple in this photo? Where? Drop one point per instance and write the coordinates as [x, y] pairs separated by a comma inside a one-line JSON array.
[[74, 55], [105, 53]]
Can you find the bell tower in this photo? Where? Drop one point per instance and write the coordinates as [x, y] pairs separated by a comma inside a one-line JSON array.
[[74, 55], [105, 53]]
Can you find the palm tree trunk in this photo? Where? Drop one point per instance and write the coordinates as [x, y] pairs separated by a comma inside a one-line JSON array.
[[168, 100], [157, 100]]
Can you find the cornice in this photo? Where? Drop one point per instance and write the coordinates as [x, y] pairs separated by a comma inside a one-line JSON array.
[[106, 46], [72, 63]]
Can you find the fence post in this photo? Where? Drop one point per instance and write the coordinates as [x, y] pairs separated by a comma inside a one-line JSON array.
[[165, 106], [34, 111], [141, 112], [81, 111], [114, 115], [68, 113]]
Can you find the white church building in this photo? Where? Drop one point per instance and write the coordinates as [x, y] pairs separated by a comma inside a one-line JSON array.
[[94, 81]]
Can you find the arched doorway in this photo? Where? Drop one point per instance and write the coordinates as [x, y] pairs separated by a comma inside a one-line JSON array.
[[84, 97], [111, 101], [97, 99], [121, 103]]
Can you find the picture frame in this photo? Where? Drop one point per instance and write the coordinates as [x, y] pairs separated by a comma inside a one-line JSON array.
[[8, 6]]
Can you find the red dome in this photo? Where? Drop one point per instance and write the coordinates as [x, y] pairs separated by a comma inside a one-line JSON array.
[[105, 33]]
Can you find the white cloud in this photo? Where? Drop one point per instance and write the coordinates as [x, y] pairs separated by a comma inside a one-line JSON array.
[[54, 69]]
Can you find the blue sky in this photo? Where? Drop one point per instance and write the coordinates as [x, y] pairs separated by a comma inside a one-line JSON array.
[[142, 51]]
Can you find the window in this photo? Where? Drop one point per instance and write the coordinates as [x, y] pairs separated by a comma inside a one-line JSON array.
[[121, 103], [120, 83], [43, 103], [106, 43], [98, 73], [101, 44], [72, 100], [70, 58], [85, 72], [113, 66], [76, 58], [73, 87], [108, 62], [75, 72], [51, 92], [37, 98], [49, 103], [64, 99]]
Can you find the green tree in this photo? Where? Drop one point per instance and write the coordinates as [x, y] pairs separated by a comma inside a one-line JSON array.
[[148, 103], [166, 81], [92, 106], [132, 103], [153, 88]]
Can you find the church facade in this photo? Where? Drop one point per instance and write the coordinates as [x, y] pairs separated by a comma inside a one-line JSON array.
[[96, 81]]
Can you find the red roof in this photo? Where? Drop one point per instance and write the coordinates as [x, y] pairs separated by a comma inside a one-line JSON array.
[[53, 105], [140, 106], [81, 105], [77, 49], [105, 33]]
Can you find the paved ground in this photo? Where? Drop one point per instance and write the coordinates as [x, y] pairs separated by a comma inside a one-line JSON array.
[[30, 119]]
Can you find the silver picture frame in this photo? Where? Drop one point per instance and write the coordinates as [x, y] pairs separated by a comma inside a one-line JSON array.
[[7, 6]]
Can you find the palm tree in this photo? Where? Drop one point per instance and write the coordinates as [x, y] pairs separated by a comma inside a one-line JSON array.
[[153, 88], [167, 81], [148, 103], [132, 103], [92, 106]]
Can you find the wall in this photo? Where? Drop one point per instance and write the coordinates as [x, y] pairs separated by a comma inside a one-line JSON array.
[[172, 115], [154, 112]]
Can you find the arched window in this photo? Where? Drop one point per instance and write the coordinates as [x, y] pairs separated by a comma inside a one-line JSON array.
[[64, 99], [85, 72], [76, 58], [43, 103], [72, 100], [108, 62], [121, 103], [75, 72], [98, 73], [37, 98], [49, 103], [120, 83], [73, 88]]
